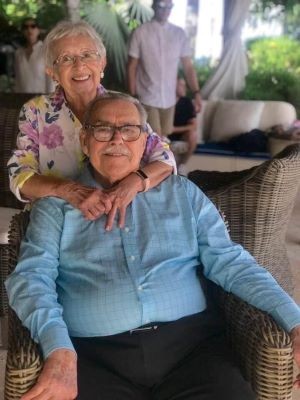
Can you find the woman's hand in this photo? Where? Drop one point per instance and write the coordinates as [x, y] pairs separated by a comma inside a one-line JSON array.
[[58, 379], [121, 195], [92, 202]]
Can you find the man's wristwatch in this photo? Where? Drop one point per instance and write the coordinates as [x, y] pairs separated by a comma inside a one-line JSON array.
[[145, 179], [196, 92]]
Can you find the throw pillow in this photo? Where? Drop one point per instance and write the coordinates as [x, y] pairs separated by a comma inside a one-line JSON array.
[[233, 117]]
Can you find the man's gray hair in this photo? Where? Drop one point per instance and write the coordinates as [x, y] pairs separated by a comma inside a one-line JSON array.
[[69, 29], [113, 95]]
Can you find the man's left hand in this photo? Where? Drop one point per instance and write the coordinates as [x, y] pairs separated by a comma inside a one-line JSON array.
[[295, 335], [197, 102]]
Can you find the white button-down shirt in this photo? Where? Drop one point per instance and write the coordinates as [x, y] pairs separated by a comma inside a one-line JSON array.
[[159, 48], [30, 72]]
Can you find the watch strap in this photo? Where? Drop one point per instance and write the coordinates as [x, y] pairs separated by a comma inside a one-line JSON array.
[[144, 178]]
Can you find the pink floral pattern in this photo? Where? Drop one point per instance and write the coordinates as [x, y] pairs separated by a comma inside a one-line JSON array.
[[52, 136]]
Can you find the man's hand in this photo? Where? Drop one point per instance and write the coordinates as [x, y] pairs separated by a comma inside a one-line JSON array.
[[58, 379], [295, 335], [197, 102]]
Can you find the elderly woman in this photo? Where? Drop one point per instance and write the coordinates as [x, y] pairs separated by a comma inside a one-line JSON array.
[[49, 157]]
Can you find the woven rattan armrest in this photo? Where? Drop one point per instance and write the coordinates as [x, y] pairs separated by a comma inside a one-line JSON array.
[[24, 361], [263, 349]]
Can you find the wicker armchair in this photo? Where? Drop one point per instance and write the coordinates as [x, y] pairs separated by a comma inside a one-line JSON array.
[[248, 197]]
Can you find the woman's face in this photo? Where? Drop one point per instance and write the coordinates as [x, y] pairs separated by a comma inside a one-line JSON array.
[[31, 31], [82, 77]]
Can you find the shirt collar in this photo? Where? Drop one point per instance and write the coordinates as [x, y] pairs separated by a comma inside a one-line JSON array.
[[57, 98]]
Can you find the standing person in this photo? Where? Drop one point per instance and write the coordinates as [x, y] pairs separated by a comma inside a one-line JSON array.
[[155, 50], [185, 126], [30, 74], [49, 157]]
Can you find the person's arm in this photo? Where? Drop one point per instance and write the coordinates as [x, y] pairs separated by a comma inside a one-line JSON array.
[[32, 294], [131, 74], [191, 125], [230, 266], [27, 182], [31, 288], [192, 80]]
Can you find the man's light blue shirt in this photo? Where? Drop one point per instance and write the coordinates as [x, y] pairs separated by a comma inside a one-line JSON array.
[[74, 278]]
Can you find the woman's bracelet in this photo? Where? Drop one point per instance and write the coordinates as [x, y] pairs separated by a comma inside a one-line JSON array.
[[145, 179]]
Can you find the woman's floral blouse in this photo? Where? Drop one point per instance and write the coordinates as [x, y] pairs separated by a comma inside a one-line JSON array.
[[48, 142]]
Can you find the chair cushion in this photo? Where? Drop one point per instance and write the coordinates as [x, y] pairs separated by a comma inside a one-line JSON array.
[[235, 117], [258, 203], [6, 215]]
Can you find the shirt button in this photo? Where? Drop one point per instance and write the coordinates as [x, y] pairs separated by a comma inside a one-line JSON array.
[[126, 229], [140, 287], [132, 258]]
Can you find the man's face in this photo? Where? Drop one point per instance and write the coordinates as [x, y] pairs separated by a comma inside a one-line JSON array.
[[162, 10], [113, 160]]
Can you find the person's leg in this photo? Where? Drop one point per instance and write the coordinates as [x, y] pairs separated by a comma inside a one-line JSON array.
[[209, 373], [167, 120], [153, 119], [101, 362], [96, 382]]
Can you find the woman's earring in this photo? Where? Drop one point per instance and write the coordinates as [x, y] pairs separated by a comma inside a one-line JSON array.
[[102, 75]]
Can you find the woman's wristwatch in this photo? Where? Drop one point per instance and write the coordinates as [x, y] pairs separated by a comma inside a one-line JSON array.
[[145, 179]]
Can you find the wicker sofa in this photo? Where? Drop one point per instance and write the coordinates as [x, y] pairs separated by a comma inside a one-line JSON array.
[[257, 204]]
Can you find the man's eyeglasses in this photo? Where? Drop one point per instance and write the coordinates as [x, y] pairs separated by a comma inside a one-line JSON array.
[[30, 26], [164, 6], [104, 133], [86, 57]]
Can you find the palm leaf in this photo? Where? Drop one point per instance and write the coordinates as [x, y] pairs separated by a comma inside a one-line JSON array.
[[139, 11], [114, 32]]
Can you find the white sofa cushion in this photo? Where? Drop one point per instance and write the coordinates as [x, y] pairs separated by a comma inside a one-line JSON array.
[[233, 117], [277, 112], [6, 215]]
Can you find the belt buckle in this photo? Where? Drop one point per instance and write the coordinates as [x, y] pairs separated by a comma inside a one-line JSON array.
[[143, 329]]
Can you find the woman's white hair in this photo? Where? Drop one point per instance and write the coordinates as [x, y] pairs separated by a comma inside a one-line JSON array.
[[69, 29]]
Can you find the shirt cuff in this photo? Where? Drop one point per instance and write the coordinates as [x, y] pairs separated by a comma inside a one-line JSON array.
[[54, 338], [287, 315]]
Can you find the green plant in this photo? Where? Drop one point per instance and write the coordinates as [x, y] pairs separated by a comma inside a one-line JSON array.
[[271, 54], [114, 21], [274, 70], [204, 69]]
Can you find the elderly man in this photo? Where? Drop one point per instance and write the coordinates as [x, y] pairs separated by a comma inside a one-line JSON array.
[[126, 305]]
